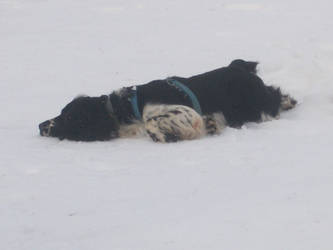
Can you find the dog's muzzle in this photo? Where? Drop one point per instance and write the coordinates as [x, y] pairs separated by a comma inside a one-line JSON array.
[[46, 127]]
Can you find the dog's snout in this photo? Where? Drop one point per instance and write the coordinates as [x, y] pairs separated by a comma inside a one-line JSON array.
[[45, 127]]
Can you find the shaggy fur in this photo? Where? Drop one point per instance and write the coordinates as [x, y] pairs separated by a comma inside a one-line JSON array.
[[229, 96]]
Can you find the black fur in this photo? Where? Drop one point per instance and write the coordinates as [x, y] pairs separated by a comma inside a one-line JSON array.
[[83, 119], [236, 91]]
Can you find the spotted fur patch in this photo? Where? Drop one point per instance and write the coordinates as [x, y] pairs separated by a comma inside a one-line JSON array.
[[170, 123]]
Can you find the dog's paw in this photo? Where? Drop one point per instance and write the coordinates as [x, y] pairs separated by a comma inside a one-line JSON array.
[[287, 102], [214, 123]]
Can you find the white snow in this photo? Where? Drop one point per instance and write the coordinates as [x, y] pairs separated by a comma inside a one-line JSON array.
[[266, 186]]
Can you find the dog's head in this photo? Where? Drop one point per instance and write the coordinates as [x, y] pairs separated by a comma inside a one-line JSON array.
[[83, 119]]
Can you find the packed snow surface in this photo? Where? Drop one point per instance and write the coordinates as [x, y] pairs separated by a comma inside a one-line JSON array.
[[265, 186]]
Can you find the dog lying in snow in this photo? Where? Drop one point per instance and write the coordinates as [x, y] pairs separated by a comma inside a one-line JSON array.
[[173, 109]]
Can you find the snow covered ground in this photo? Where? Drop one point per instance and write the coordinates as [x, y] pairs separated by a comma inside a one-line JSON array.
[[266, 186]]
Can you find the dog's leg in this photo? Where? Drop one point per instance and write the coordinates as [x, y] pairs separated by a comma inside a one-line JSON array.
[[214, 123], [266, 117], [171, 123], [287, 102], [133, 130]]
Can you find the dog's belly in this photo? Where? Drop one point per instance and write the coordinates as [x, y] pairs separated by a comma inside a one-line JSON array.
[[166, 123], [169, 123]]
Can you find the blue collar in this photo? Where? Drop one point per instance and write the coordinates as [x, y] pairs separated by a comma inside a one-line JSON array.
[[177, 84], [134, 102]]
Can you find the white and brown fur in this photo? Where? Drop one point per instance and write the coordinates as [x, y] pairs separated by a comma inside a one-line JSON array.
[[170, 123]]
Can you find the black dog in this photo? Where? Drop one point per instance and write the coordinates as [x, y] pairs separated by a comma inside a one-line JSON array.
[[173, 109]]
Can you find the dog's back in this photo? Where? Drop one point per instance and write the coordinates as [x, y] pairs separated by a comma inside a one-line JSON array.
[[235, 90]]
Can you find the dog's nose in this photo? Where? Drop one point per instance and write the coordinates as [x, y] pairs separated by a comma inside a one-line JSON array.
[[45, 127]]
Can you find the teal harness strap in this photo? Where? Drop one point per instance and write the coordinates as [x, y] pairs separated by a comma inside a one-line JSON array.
[[173, 82], [188, 92], [135, 106]]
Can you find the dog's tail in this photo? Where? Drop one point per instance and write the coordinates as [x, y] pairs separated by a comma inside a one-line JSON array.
[[248, 66]]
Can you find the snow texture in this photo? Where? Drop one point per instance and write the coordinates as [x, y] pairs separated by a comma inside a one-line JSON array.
[[265, 186]]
